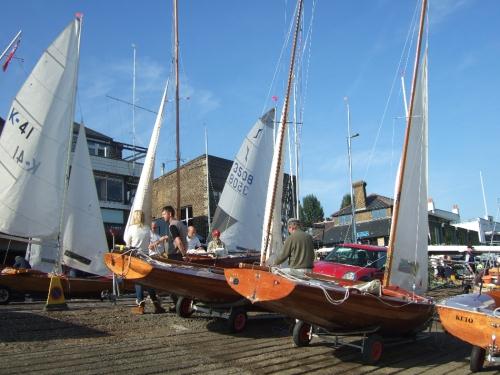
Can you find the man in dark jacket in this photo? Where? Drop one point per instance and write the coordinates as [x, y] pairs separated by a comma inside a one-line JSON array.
[[298, 249]]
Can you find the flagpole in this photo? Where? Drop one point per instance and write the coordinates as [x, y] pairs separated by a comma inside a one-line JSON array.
[[18, 35]]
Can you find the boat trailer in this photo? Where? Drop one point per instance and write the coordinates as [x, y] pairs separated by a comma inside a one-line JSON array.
[[371, 346]]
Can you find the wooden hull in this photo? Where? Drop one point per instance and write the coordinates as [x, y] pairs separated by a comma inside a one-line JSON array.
[[198, 282], [471, 317], [223, 262], [390, 314], [35, 282]]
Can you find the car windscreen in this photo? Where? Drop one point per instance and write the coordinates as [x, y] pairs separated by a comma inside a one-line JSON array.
[[356, 257]]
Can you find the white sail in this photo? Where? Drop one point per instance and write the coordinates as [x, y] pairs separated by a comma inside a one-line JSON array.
[[272, 240], [240, 210], [410, 258], [142, 199], [83, 238], [43, 255], [35, 139]]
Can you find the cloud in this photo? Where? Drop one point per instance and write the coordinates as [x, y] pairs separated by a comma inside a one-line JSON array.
[[439, 10]]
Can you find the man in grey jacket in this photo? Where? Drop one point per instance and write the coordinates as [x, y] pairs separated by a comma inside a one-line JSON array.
[[298, 249]]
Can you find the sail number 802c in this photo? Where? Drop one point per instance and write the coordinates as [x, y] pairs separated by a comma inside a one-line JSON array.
[[239, 179]]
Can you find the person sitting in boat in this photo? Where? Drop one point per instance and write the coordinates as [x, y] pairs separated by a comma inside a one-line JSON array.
[[139, 237], [20, 262], [193, 242], [156, 245], [216, 242], [298, 250], [176, 245]]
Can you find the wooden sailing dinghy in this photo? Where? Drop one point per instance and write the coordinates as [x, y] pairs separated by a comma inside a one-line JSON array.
[[392, 309], [475, 319]]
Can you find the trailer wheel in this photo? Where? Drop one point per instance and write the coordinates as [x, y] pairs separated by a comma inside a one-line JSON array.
[[184, 307], [237, 320], [477, 358], [301, 333], [373, 347], [4, 295]]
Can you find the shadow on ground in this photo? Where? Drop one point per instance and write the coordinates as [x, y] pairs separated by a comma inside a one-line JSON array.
[[17, 326], [255, 327]]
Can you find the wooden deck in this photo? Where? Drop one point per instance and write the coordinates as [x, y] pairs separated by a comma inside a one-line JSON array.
[[99, 338]]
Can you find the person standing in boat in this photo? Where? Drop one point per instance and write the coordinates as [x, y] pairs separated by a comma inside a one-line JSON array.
[[156, 245], [298, 250], [216, 242], [139, 236], [193, 242], [176, 245]]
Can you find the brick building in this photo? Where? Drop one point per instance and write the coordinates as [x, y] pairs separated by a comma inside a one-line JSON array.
[[194, 199]]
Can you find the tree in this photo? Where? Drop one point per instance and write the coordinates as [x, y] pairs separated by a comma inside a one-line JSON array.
[[346, 201], [311, 210]]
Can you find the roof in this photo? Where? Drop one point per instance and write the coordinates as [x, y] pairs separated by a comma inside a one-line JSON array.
[[91, 133], [373, 202], [372, 228]]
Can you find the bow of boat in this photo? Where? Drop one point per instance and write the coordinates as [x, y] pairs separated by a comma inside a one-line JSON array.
[[127, 266]]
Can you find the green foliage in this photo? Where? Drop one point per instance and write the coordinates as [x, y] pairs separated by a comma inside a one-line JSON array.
[[311, 210], [346, 201]]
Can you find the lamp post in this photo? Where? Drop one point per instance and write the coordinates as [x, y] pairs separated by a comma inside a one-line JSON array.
[[349, 137]]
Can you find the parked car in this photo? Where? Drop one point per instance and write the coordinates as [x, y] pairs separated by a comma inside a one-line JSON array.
[[353, 262]]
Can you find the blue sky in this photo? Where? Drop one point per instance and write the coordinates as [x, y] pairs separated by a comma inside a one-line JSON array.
[[229, 53]]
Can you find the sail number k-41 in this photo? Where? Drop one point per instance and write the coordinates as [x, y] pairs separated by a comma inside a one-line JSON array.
[[239, 179], [24, 127]]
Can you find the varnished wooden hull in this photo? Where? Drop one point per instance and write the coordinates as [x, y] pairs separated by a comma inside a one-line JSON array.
[[391, 314], [471, 317], [35, 282], [222, 262], [198, 282]]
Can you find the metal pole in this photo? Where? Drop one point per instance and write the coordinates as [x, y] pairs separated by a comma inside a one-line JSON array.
[[349, 155], [177, 141], [133, 112], [208, 180], [403, 89], [10, 44], [484, 196]]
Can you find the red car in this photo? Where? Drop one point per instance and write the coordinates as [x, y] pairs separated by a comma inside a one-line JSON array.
[[353, 262]]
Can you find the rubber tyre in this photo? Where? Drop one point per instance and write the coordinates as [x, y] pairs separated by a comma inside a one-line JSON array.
[[184, 307], [5, 295], [301, 334], [477, 357], [373, 347], [237, 320]]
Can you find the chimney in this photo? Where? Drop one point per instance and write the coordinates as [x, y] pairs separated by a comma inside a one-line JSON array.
[[430, 205], [456, 210], [359, 188]]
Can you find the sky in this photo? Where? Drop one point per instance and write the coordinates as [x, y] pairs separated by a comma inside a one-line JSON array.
[[231, 68]]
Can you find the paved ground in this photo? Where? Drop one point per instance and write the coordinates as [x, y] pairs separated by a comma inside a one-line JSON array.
[[96, 337]]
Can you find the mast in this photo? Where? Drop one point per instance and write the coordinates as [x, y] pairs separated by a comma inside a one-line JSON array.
[[18, 35], [208, 180], [349, 156], [395, 214], [58, 263], [296, 150], [484, 196], [403, 89], [177, 141], [133, 112], [279, 145]]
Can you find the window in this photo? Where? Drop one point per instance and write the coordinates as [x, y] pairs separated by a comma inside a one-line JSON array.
[[97, 149], [109, 188], [112, 216], [345, 220], [186, 214], [216, 195], [379, 214]]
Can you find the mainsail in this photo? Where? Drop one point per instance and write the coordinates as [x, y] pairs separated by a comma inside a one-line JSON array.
[[409, 254], [35, 140], [142, 199], [240, 210], [83, 238]]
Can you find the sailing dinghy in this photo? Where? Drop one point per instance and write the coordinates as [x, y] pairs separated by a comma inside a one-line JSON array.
[[33, 147], [370, 309]]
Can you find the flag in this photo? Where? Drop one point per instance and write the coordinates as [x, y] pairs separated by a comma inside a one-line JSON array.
[[11, 55]]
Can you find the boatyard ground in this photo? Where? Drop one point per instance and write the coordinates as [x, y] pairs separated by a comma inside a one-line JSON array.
[[95, 337]]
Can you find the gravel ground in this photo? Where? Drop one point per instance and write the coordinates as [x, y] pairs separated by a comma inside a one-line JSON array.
[[95, 337]]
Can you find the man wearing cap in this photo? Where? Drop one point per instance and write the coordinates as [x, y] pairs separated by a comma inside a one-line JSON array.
[[216, 242], [298, 249]]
